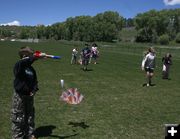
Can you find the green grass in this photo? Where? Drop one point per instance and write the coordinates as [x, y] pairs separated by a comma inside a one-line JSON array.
[[115, 104]]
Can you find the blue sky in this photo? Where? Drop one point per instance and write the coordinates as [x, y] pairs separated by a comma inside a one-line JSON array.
[[33, 12]]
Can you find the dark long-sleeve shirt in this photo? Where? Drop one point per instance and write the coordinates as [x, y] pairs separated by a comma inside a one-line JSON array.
[[86, 52], [166, 61], [25, 77]]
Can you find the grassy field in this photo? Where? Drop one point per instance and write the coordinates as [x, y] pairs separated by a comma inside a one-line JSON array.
[[115, 104]]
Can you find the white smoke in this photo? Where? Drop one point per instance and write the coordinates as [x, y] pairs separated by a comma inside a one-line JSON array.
[[14, 23], [171, 2]]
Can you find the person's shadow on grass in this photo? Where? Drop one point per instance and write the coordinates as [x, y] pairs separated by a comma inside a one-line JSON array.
[[46, 131], [86, 70], [79, 124]]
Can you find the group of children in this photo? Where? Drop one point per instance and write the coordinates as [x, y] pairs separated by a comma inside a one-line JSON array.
[[86, 55], [148, 64]]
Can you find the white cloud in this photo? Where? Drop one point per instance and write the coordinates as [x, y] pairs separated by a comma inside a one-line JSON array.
[[14, 23], [171, 2]]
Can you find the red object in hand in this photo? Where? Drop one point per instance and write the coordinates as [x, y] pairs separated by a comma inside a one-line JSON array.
[[37, 54]]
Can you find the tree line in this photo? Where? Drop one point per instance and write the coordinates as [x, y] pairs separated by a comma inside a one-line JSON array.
[[155, 25], [150, 26]]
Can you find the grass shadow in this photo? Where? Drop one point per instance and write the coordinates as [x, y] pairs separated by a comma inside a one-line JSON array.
[[79, 124], [87, 70], [153, 85], [46, 131]]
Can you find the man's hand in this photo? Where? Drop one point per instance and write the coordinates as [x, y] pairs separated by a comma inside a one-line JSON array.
[[42, 54]]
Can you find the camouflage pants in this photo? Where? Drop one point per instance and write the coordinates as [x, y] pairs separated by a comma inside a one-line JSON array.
[[22, 115]]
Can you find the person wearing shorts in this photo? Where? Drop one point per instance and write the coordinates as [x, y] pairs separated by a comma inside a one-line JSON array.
[[148, 64]]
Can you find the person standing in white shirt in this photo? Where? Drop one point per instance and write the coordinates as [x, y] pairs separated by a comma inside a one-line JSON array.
[[74, 56], [148, 64]]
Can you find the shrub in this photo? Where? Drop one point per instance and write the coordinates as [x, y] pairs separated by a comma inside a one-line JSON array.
[[178, 38], [164, 39]]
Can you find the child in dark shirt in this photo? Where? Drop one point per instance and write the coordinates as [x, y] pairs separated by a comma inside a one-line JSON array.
[[167, 62], [25, 87], [86, 52]]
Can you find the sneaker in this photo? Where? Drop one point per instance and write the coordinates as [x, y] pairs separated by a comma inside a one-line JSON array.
[[147, 84]]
